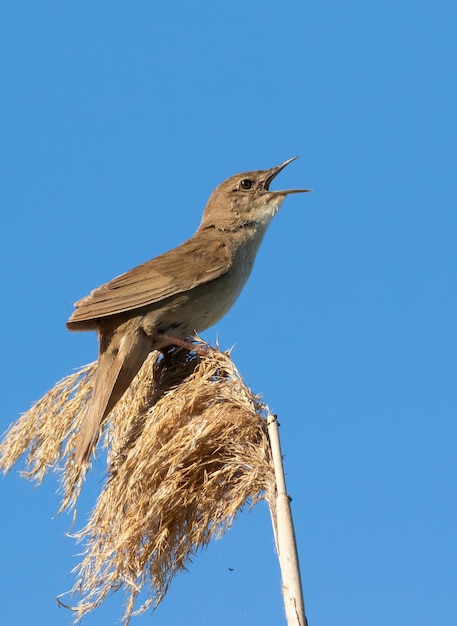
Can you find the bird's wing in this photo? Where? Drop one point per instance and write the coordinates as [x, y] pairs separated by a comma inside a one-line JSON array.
[[169, 274]]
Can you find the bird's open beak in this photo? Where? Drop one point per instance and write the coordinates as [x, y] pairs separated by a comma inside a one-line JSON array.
[[273, 172]]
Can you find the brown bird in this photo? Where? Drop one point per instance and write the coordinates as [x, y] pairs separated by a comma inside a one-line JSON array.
[[182, 292]]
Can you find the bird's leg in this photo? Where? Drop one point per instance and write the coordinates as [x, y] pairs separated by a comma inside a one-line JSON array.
[[188, 345]]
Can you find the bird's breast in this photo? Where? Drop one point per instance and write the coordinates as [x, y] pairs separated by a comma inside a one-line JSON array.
[[201, 307]]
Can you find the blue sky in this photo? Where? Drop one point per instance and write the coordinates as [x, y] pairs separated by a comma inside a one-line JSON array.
[[117, 121]]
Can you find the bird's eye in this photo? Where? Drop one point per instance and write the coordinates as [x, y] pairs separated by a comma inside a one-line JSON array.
[[246, 184]]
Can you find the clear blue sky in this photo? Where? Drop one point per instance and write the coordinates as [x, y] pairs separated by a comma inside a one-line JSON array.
[[117, 120]]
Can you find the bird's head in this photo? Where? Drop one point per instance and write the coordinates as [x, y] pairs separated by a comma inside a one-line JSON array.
[[246, 199]]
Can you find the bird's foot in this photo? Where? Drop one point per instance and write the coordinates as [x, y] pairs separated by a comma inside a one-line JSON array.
[[199, 349]]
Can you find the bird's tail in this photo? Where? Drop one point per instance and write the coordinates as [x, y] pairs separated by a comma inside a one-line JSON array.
[[120, 358]]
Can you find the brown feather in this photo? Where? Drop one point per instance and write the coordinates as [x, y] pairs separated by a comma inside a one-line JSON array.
[[155, 280], [121, 355]]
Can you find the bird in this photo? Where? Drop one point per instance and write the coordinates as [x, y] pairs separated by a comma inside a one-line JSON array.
[[167, 300]]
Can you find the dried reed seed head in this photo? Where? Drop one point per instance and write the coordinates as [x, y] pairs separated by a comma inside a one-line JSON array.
[[187, 448], [199, 455]]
